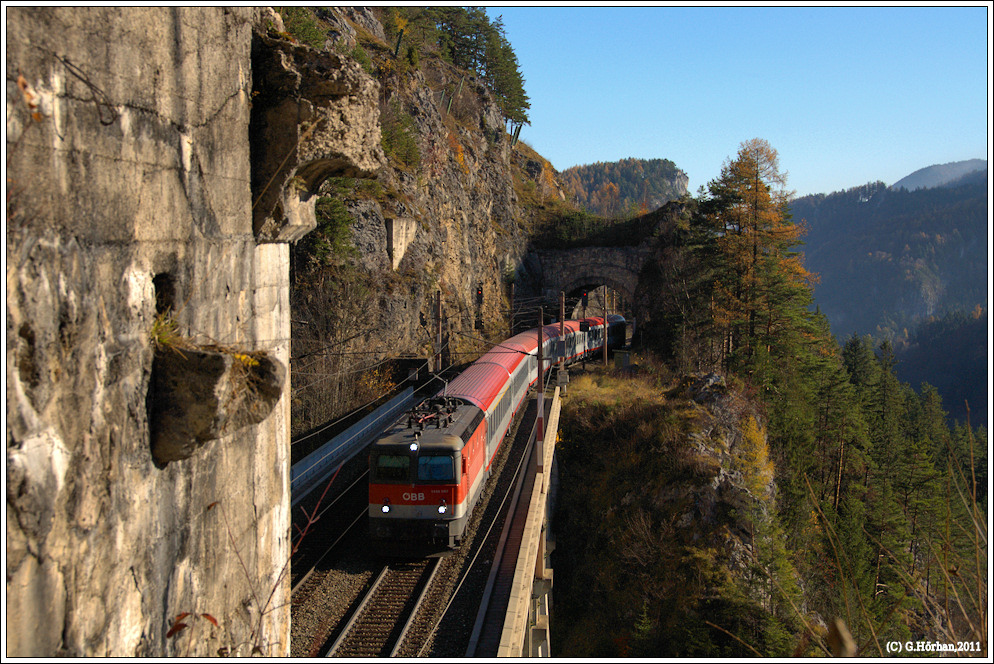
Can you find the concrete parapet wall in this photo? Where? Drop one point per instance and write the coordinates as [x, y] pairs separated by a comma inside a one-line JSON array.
[[321, 463], [530, 569]]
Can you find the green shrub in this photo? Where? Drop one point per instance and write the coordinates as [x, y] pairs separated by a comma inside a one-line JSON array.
[[399, 135], [359, 55], [302, 26], [331, 240]]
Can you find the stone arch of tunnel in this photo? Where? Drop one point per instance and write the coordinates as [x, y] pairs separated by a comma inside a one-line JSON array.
[[316, 171], [292, 214], [310, 176], [572, 270], [590, 284]]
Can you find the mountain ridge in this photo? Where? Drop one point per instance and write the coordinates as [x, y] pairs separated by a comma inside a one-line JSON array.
[[893, 262], [939, 175]]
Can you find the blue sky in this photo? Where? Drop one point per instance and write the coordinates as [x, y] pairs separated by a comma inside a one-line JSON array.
[[846, 95]]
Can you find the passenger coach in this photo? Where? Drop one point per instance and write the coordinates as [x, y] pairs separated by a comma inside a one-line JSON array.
[[428, 471]]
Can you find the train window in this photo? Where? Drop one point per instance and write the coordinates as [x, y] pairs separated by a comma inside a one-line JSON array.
[[392, 466], [435, 468]]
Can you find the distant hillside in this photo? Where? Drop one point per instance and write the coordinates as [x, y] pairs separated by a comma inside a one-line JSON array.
[[973, 177], [889, 258], [940, 175], [950, 353], [627, 187]]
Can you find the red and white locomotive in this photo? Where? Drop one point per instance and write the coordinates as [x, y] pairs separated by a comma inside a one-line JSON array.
[[428, 471]]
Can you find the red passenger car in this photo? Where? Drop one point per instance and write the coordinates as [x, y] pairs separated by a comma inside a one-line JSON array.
[[428, 471]]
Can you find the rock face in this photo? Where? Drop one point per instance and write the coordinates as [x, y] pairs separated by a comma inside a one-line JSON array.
[[160, 163], [131, 193], [717, 443], [446, 222], [665, 505], [315, 116]]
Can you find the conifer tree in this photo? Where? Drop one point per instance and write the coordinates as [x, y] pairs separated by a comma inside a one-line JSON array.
[[763, 286], [874, 492], [501, 71], [469, 40], [887, 524]]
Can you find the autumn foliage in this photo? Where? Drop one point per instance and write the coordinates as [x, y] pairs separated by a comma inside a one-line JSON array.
[[624, 188], [761, 289], [877, 511]]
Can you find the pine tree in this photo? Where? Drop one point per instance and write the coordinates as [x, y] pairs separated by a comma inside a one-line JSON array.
[[887, 524], [502, 73], [469, 40]]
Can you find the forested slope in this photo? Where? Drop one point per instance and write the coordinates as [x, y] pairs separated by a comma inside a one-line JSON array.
[[903, 265], [950, 353], [628, 187], [888, 259], [877, 497]]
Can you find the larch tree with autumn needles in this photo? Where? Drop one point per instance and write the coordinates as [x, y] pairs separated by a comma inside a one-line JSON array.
[[762, 290]]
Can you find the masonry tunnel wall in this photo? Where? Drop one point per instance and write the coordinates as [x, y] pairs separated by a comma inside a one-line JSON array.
[[130, 201]]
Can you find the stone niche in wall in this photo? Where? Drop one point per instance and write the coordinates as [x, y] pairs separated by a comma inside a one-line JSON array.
[[401, 232]]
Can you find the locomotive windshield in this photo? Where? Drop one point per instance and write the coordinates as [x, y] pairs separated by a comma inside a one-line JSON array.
[[436, 468], [392, 466]]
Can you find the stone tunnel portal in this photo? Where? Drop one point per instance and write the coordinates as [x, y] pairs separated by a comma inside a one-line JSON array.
[[614, 270], [599, 292]]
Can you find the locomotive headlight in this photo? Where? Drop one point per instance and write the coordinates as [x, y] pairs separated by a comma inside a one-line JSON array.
[[442, 507], [386, 506], [414, 446]]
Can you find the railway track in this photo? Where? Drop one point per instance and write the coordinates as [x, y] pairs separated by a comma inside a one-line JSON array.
[[328, 592], [379, 624], [331, 525], [323, 588]]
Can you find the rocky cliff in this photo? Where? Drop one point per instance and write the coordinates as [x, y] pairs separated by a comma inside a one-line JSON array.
[[449, 213], [665, 537]]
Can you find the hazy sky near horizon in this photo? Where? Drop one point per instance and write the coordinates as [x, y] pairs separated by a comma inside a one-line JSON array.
[[846, 95]]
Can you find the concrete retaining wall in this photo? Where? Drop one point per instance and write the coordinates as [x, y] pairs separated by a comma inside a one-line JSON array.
[[129, 183]]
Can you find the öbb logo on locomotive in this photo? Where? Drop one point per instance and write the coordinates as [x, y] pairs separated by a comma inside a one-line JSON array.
[[428, 470]]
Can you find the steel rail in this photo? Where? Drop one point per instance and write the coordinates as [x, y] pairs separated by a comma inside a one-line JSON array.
[[380, 592], [417, 605], [331, 547], [355, 616]]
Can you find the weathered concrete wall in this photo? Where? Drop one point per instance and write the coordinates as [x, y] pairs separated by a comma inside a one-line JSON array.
[[132, 183], [400, 233]]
